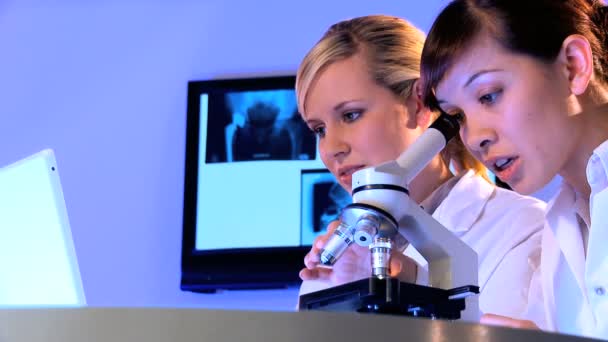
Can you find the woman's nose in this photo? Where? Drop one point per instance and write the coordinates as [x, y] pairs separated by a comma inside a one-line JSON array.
[[334, 146], [478, 137]]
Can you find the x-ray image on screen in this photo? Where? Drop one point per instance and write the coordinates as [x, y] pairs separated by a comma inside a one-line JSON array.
[[322, 200], [246, 148], [257, 125]]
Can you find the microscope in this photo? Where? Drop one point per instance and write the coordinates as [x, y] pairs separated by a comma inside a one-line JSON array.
[[384, 218]]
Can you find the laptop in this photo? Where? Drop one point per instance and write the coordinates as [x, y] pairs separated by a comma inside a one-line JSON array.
[[38, 264]]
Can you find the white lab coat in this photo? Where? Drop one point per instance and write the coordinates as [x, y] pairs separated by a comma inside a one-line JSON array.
[[574, 287], [501, 226]]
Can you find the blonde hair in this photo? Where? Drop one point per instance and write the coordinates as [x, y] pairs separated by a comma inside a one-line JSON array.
[[392, 47]]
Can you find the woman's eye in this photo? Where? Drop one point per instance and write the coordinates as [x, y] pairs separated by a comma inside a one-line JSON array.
[[351, 116], [319, 131], [459, 117], [489, 98]]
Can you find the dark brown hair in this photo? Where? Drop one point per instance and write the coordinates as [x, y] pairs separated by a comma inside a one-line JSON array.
[[532, 27]]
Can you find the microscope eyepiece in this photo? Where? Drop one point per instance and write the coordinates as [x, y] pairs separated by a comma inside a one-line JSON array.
[[446, 124]]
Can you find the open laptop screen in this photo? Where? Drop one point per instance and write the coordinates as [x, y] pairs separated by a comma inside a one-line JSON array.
[[38, 265]]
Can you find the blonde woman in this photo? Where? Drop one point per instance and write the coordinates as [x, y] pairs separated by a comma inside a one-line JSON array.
[[358, 90]]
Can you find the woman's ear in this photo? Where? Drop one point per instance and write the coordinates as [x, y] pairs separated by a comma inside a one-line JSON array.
[[421, 112], [577, 58]]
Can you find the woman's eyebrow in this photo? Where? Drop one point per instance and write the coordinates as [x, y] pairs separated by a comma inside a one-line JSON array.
[[471, 79], [341, 105], [311, 122], [477, 74]]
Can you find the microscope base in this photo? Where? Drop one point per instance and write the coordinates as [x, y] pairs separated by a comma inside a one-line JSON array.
[[390, 296]]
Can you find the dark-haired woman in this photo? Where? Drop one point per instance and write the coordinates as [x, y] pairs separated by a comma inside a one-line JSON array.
[[529, 80]]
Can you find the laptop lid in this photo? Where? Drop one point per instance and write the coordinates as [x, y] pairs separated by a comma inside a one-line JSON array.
[[38, 264]]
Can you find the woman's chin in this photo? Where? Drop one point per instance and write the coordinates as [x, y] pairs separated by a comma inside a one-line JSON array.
[[526, 188], [347, 187]]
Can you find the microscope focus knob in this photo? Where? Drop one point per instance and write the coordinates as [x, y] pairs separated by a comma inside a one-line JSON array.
[[365, 230]]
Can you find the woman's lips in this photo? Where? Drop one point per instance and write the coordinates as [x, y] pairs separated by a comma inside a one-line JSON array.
[[509, 172], [345, 174]]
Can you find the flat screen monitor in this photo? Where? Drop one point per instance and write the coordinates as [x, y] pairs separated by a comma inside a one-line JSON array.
[[255, 193]]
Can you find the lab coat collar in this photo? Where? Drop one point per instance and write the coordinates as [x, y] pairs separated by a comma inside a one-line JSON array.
[[597, 176], [597, 165], [563, 210], [468, 197], [597, 171], [562, 220]]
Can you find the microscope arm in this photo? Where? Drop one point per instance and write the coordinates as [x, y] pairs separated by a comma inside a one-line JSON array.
[[384, 217], [452, 263]]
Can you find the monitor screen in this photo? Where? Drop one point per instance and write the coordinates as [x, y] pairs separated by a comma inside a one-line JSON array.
[[256, 193]]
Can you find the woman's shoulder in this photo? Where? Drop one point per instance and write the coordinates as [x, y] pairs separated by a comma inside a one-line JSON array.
[[499, 204], [519, 199], [471, 184], [507, 208], [473, 201]]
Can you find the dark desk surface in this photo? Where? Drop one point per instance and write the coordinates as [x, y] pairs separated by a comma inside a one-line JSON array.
[[150, 325]]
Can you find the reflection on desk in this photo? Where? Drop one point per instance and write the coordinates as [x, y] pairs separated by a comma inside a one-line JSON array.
[[150, 325]]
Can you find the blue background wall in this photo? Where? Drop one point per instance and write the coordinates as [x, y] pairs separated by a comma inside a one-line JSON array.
[[103, 83]]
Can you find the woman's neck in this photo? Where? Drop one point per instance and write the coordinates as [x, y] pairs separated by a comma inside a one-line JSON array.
[[595, 132], [429, 179]]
